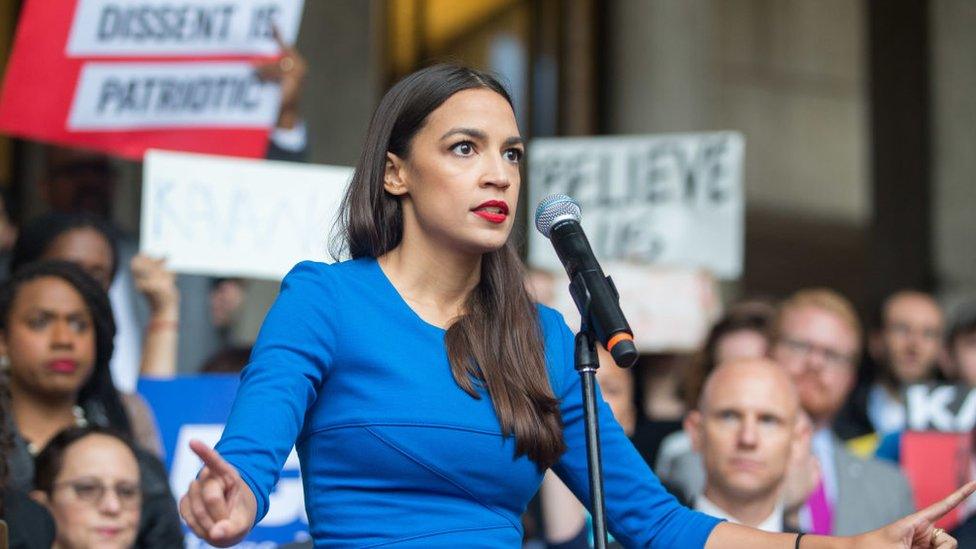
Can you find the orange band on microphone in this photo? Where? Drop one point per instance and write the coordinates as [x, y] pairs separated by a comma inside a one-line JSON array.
[[622, 336]]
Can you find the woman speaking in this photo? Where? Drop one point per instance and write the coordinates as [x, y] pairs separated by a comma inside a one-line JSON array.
[[424, 390]]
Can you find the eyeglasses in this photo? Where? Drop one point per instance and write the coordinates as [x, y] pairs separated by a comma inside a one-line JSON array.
[[92, 491], [831, 357]]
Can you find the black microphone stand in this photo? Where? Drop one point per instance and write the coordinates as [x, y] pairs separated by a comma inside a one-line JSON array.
[[587, 362]]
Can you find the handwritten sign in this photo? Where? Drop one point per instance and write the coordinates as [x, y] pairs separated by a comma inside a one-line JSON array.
[[123, 76], [237, 217], [671, 199]]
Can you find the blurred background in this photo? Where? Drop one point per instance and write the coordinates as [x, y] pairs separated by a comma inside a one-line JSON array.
[[857, 115]]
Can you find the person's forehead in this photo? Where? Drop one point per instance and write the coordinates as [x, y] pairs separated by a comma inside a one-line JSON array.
[[810, 318], [100, 456], [49, 292], [83, 236], [910, 307], [754, 383], [750, 388], [475, 108]]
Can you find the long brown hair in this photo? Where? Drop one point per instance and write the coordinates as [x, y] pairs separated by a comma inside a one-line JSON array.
[[497, 340]]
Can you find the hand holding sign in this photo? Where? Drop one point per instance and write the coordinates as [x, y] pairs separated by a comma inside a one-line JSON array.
[[289, 72], [219, 507], [157, 283]]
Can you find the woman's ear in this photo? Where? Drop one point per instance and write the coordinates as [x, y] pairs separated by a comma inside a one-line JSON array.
[[393, 180], [39, 496], [692, 426]]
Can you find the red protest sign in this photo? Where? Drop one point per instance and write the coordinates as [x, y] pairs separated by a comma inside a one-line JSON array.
[[123, 77], [936, 464]]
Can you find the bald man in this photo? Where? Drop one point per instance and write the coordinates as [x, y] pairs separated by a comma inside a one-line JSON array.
[[746, 429]]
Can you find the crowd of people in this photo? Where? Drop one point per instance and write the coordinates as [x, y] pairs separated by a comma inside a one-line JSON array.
[[82, 317], [792, 414], [773, 424]]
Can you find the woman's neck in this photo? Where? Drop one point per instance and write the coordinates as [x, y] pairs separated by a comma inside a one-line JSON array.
[[435, 283], [38, 419]]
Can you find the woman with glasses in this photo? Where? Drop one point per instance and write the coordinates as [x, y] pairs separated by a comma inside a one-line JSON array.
[[56, 332], [88, 477]]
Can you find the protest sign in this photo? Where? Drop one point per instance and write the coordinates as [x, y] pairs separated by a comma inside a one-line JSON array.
[[123, 76], [668, 309], [951, 452], [237, 217], [196, 407], [948, 408], [671, 200]]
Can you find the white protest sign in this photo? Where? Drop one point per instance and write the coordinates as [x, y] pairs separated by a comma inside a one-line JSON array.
[[188, 27], [670, 199], [237, 217], [668, 309], [114, 96], [950, 408]]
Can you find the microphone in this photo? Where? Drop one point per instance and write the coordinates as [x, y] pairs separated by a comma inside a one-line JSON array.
[[596, 297]]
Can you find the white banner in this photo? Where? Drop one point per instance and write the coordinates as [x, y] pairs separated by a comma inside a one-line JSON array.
[[114, 96], [950, 408], [234, 217], [670, 199], [188, 27]]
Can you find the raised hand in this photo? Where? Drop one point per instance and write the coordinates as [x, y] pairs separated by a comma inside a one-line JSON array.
[[289, 71], [219, 507], [157, 283]]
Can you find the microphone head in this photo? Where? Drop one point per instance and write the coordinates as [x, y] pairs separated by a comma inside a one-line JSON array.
[[553, 209]]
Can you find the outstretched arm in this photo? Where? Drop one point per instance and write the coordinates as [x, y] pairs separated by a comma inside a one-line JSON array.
[[916, 531]]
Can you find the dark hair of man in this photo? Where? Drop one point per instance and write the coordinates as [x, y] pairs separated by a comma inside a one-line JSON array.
[[48, 463], [98, 396], [38, 235], [497, 340], [754, 316]]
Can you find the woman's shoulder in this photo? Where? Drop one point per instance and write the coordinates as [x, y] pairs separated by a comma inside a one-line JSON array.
[[310, 275], [551, 320]]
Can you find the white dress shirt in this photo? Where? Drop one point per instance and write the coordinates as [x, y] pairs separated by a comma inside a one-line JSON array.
[[772, 523]]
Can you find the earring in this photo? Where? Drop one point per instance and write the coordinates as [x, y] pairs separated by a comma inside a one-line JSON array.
[[4, 363]]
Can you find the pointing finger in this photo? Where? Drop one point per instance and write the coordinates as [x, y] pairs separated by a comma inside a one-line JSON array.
[[937, 510]]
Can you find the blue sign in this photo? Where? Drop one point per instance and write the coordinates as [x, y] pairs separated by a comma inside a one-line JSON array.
[[196, 407]]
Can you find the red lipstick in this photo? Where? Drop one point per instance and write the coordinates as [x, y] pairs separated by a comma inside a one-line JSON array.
[[494, 211], [63, 366]]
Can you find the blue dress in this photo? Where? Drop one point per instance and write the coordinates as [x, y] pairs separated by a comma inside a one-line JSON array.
[[393, 452]]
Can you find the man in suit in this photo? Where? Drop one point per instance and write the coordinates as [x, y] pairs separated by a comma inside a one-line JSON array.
[[817, 339], [747, 428]]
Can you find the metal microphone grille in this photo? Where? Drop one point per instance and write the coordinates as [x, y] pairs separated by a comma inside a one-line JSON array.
[[553, 208]]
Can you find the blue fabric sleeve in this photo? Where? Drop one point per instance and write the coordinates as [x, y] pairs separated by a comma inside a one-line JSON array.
[[640, 512], [288, 364]]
